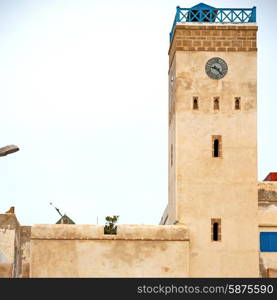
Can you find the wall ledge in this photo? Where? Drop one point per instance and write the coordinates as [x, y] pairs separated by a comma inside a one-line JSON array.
[[124, 232]]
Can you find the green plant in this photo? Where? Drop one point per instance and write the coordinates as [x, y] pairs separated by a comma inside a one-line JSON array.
[[110, 227]]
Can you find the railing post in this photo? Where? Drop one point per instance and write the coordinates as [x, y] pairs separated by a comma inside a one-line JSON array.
[[177, 18], [253, 15]]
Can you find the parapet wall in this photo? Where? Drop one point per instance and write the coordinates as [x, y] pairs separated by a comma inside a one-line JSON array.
[[84, 251]]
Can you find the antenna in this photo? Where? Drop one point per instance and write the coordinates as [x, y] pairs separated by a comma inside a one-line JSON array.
[[56, 209]]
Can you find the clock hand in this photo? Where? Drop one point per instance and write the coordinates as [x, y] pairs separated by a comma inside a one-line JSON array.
[[217, 69]]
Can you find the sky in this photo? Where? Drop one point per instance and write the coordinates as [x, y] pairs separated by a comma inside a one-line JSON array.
[[83, 93]]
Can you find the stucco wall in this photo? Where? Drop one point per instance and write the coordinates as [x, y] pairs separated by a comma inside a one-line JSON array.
[[9, 242], [7, 237], [84, 251], [14, 247], [24, 253]]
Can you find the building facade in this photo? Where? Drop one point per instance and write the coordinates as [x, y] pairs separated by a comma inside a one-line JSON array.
[[219, 221]]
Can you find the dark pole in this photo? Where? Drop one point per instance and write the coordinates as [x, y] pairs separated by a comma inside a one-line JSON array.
[[56, 209]]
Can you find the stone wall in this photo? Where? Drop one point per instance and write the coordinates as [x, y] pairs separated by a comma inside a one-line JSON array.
[[220, 37], [84, 251]]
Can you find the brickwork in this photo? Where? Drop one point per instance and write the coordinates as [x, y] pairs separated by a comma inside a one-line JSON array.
[[213, 38]]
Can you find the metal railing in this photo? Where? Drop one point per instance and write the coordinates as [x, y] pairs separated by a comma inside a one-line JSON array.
[[214, 15]]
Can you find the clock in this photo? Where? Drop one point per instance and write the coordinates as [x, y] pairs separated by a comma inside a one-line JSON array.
[[216, 68]]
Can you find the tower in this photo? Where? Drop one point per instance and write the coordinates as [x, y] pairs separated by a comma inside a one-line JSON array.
[[213, 138]]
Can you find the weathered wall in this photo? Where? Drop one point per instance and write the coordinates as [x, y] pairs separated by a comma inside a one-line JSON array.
[[14, 247], [9, 242], [7, 238], [226, 187], [172, 206], [25, 235], [267, 194], [84, 251]]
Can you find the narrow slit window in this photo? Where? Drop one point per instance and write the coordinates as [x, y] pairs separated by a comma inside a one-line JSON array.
[[195, 103], [216, 103], [216, 230], [216, 148], [216, 145], [237, 103]]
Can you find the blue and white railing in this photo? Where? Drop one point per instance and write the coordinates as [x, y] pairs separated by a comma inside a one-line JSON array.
[[214, 15]]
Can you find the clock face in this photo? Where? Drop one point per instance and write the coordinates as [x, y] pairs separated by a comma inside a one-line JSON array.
[[216, 68]]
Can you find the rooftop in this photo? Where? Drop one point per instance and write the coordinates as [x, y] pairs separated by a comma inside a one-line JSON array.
[[271, 177]]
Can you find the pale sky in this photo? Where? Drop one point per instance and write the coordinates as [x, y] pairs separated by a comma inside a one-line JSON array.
[[84, 95]]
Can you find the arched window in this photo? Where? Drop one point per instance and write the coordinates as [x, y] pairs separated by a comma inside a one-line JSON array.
[[216, 103], [237, 103], [195, 103]]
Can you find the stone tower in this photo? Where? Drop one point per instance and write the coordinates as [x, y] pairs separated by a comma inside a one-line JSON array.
[[213, 138]]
